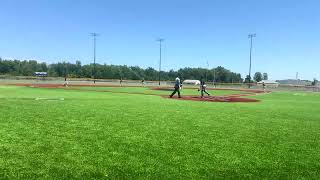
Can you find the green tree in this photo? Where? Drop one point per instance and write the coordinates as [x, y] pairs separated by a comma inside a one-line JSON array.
[[257, 76], [246, 80], [65, 68], [265, 76], [314, 82]]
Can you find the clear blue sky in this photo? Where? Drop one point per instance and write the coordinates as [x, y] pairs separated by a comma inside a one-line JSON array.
[[288, 33]]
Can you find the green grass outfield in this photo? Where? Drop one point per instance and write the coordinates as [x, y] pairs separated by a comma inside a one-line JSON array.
[[106, 135]]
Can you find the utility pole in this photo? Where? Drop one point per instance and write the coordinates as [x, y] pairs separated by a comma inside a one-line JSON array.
[[160, 43], [94, 35], [207, 71], [250, 36], [65, 74], [214, 76]]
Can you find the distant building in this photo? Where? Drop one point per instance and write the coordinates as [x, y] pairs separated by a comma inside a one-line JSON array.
[[295, 82], [268, 83]]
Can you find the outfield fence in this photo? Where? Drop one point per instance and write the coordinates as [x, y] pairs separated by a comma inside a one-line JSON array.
[[116, 82]]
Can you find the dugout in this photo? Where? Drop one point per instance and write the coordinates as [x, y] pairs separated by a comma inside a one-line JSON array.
[[191, 82], [268, 83], [40, 75]]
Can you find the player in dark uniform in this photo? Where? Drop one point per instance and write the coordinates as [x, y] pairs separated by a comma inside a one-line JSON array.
[[177, 86], [65, 82], [203, 87], [121, 81]]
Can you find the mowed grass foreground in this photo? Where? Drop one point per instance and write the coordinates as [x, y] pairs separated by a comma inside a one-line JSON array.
[[112, 135]]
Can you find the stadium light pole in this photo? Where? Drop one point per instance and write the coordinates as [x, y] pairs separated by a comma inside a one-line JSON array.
[[207, 71], [214, 77], [251, 36], [160, 44], [94, 35]]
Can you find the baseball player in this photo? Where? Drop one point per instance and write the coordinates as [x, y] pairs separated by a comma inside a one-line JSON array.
[[177, 87], [65, 84], [203, 87]]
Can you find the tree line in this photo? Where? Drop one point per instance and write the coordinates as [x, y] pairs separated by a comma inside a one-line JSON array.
[[103, 71]]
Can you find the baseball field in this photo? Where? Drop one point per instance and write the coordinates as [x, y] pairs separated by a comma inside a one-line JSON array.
[[138, 133]]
